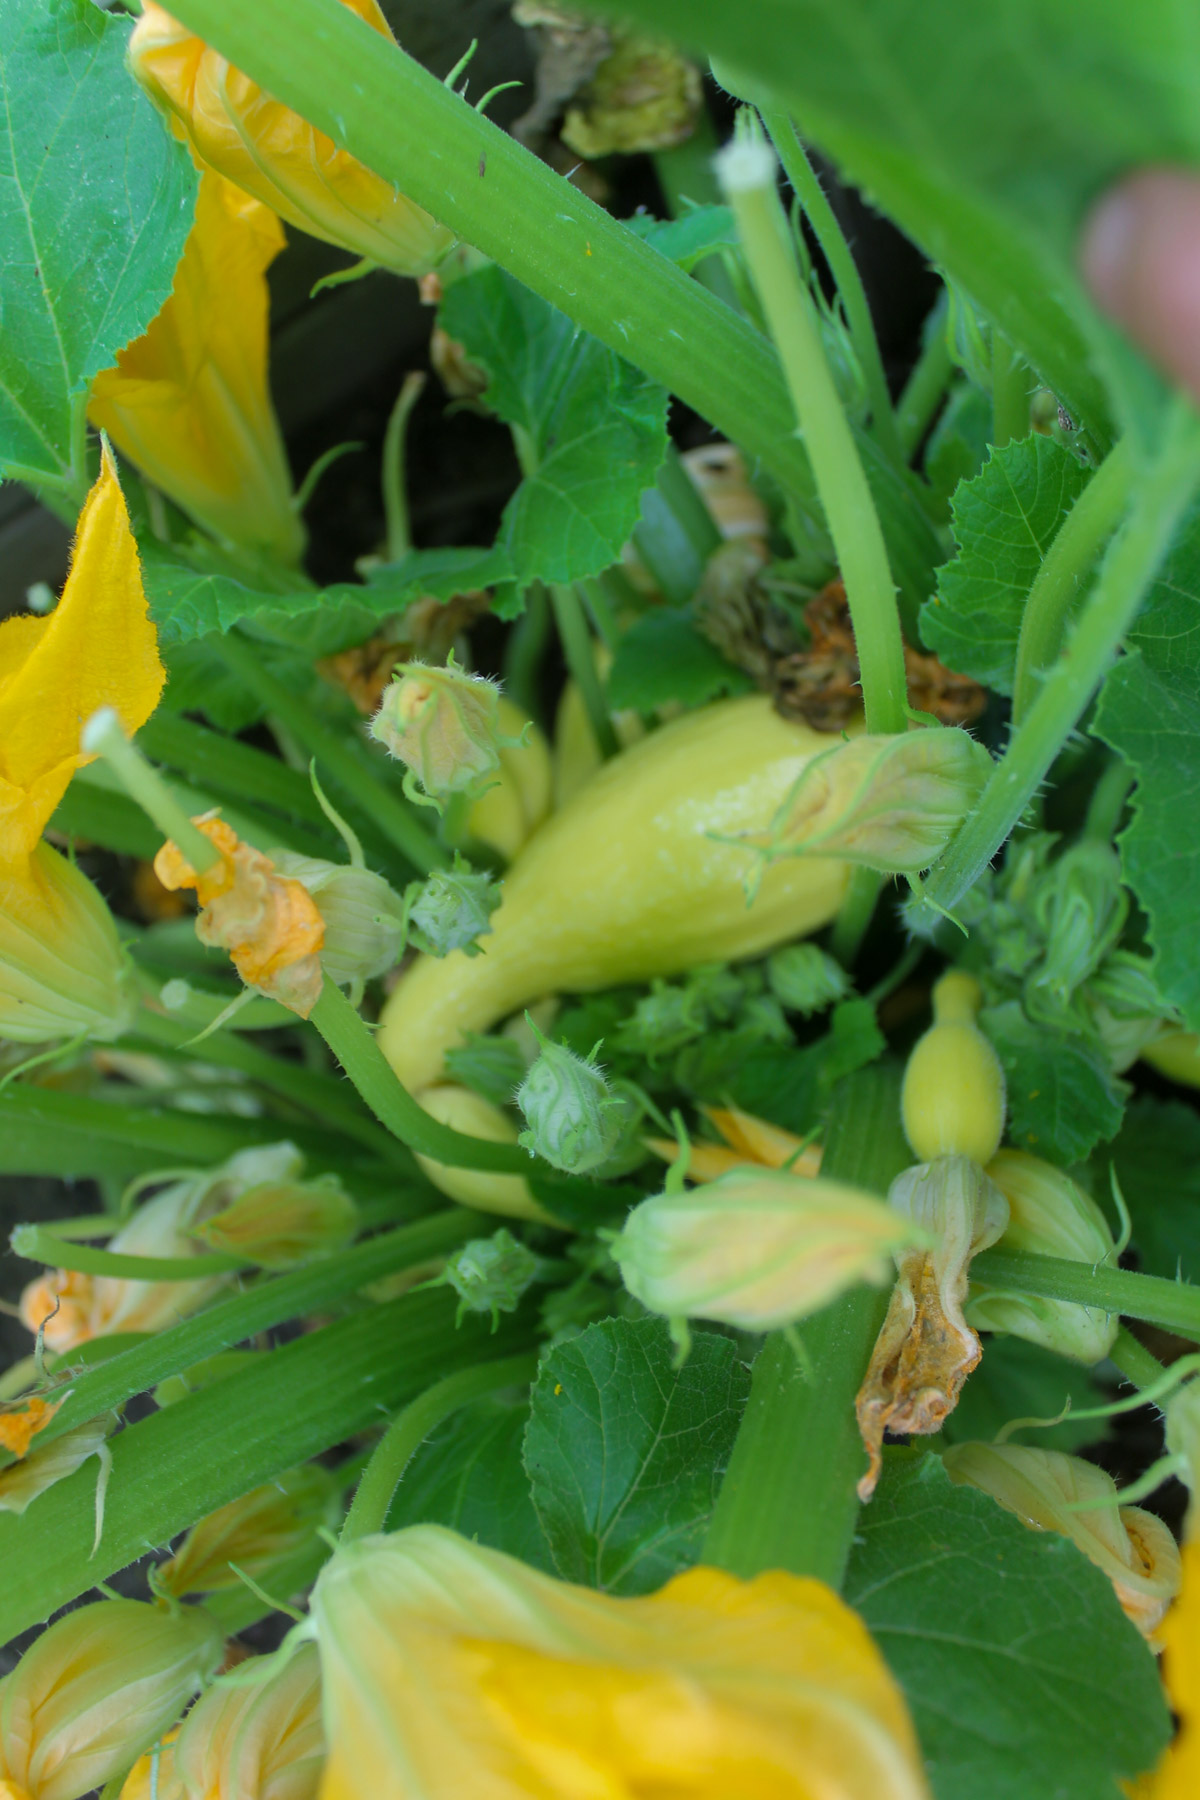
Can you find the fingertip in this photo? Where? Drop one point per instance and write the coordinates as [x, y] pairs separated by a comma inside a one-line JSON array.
[[1139, 255]]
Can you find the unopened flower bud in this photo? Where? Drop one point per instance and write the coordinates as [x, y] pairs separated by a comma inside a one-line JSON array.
[[256, 1739], [1182, 1434], [1080, 906], [952, 1101], [96, 1690], [490, 1275], [1044, 1488], [510, 811], [278, 1223], [362, 914], [925, 1349], [260, 1528], [1050, 1215], [453, 909], [890, 803], [643, 96], [444, 725], [63, 972], [573, 1116], [1128, 1008], [756, 1248], [806, 979]]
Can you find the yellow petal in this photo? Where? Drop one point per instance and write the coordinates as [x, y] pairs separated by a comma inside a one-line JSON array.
[[97, 648], [188, 401], [452, 1670], [272, 153], [762, 1142], [17, 1429], [1178, 1774]]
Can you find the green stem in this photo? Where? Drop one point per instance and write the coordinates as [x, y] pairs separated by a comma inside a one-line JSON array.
[[1170, 1304], [316, 1093], [788, 1499], [395, 491], [38, 1245], [600, 612], [576, 641], [1056, 587], [409, 1429], [315, 1288], [378, 103], [391, 815], [929, 380], [391, 1102], [853, 920], [844, 270], [105, 735], [1135, 1362], [845, 496], [1129, 567], [1108, 801], [1011, 391]]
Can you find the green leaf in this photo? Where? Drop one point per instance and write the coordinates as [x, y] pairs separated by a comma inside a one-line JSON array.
[[1156, 1158], [471, 1478], [96, 200], [664, 658], [789, 1087], [279, 1410], [1016, 1380], [986, 133], [625, 1452], [1063, 1098], [1004, 522], [592, 428], [1149, 712], [698, 233], [1023, 1675]]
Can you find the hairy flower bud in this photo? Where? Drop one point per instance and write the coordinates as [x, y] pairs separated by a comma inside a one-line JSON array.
[[573, 1116], [1050, 1215], [96, 1690], [925, 1349], [1081, 907], [952, 1101], [890, 803], [1044, 1488], [452, 909], [362, 914], [63, 972], [756, 1248], [278, 1223], [256, 1739], [806, 979], [271, 152], [490, 1275], [444, 725], [451, 1670], [252, 1532], [1128, 1009]]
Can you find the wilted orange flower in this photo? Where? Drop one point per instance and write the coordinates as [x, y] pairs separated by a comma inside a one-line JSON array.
[[274, 154], [19, 1427], [269, 923], [188, 401]]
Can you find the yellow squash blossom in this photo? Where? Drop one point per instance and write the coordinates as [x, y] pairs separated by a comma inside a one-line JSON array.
[[1178, 1774], [452, 1670], [269, 923], [188, 402], [749, 1142], [20, 1425], [272, 153], [62, 970]]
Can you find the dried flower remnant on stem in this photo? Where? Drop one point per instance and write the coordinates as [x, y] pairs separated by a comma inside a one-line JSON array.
[[269, 923], [925, 1349]]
